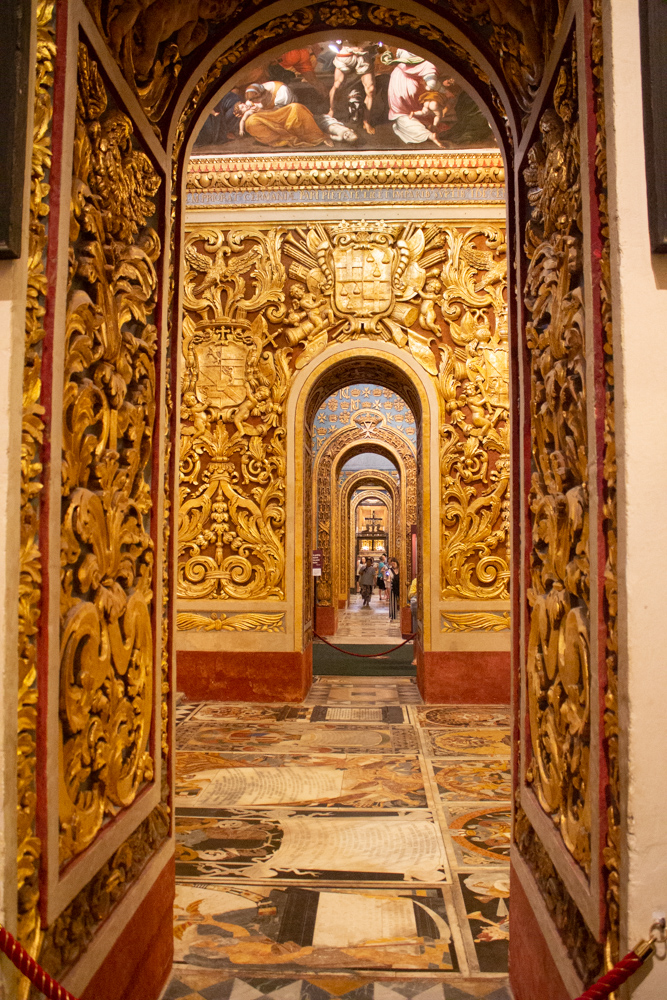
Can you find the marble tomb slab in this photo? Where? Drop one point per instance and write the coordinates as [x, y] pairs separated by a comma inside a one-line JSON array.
[[486, 900], [457, 716], [481, 835], [467, 742], [259, 844], [212, 781], [295, 927], [320, 737], [473, 780]]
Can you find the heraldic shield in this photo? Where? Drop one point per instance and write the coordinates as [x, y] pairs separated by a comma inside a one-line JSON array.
[[222, 352]]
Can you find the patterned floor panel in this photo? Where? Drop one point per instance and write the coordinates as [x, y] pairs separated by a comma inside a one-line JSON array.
[[358, 624], [356, 845]]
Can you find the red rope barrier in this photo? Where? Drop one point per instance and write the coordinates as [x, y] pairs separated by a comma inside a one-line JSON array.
[[620, 973], [24, 962], [365, 656]]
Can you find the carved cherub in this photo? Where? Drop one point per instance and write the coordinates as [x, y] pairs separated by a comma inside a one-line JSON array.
[[195, 411], [429, 296], [309, 314]]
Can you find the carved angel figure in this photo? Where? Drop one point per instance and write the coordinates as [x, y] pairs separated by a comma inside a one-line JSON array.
[[146, 24], [309, 320]]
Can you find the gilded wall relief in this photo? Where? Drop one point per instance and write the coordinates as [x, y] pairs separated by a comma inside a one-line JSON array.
[[210, 174], [260, 304], [473, 384], [33, 426], [612, 849], [107, 643], [233, 430], [474, 621], [71, 933], [558, 654], [217, 621]]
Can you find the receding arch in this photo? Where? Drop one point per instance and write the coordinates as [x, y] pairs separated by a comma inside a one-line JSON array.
[[346, 364], [364, 482]]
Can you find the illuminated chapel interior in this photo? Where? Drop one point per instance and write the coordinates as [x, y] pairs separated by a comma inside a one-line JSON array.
[[331, 474]]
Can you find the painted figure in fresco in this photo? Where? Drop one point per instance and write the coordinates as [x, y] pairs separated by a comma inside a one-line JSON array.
[[271, 115], [358, 60], [411, 80]]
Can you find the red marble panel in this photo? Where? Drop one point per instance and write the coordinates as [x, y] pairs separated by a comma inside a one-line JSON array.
[[464, 678], [224, 675], [326, 621]]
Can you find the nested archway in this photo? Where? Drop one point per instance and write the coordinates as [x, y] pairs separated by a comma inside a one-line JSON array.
[[362, 482]]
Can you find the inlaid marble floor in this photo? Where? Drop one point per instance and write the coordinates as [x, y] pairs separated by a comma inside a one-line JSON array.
[[353, 846], [357, 624]]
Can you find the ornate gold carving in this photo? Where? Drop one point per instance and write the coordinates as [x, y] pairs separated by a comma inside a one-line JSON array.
[[474, 621], [166, 578], [70, 934], [106, 692], [30, 580], [612, 849], [232, 462], [218, 621], [149, 40], [405, 171], [262, 302], [558, 654], [585, 953], [522, 36], [473, 384]]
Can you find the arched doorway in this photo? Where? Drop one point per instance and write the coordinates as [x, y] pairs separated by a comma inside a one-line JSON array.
[[161, 91]]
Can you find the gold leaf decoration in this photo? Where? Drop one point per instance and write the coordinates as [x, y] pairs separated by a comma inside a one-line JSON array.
[[474, 621], [217, 621], [30, 579], [558, 652], [106, 695], [260, 303], [403, 171]]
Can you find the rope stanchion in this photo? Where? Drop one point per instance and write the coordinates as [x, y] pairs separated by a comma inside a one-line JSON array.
[[27, 965], [365, 656], [620, 973]]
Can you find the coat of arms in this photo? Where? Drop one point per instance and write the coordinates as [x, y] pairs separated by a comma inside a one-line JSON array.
[[368, 271]]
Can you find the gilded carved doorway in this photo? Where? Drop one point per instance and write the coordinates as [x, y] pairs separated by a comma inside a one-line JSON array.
[[165, 418]]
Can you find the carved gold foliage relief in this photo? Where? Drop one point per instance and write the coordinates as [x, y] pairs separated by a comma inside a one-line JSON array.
[[474, 621], [558, 654], [612, 849], [216, 622], [107, 671], [260, 304], [30, 590]]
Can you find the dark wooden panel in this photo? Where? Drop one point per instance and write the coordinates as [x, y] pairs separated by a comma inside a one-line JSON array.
[[653, 15], [14, 81]]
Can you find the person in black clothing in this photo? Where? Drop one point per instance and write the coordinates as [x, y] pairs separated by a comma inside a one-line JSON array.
[[394, 590]]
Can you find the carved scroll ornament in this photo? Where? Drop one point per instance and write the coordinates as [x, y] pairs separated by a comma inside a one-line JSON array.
[[106, 689], [558, 654], [474, 621], [216, 622], [262, 303], [30, 580]]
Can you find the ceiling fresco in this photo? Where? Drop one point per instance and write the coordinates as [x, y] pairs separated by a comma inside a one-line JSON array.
[[341, 95]]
